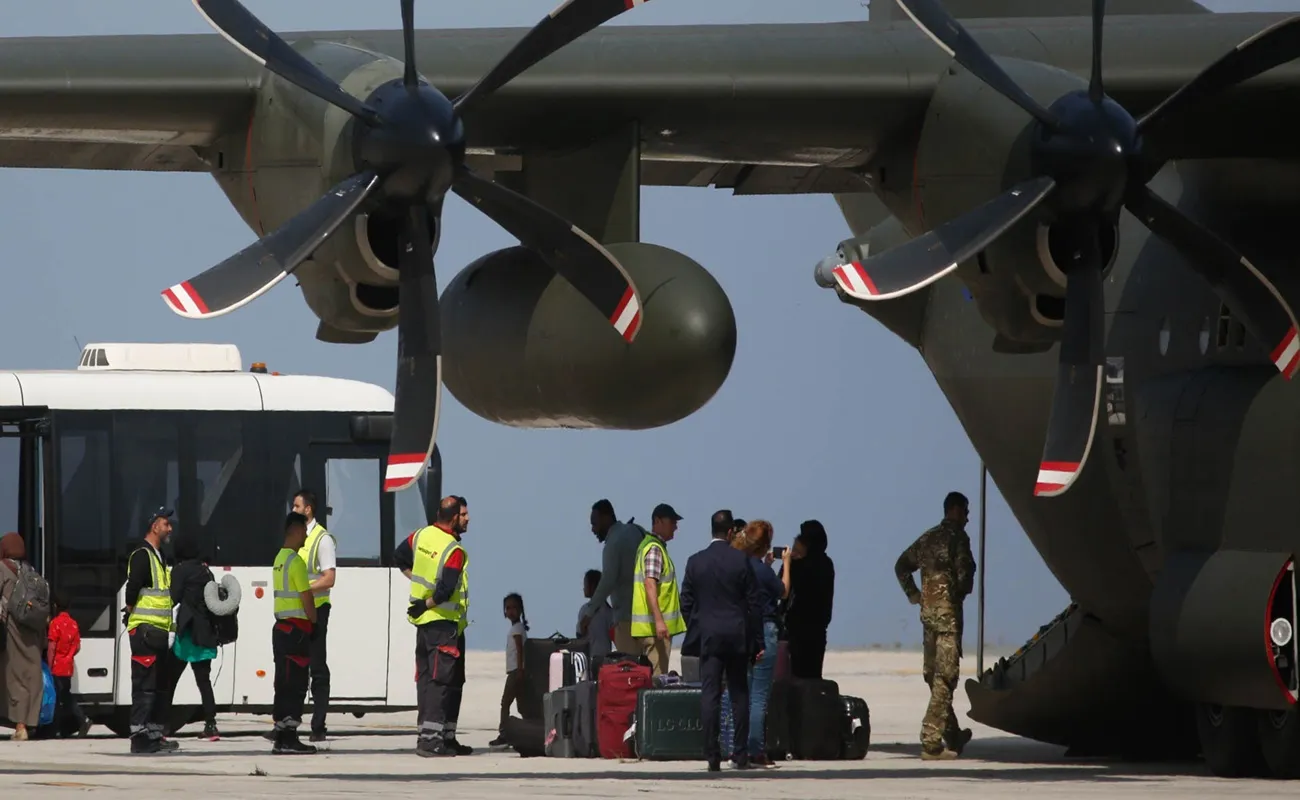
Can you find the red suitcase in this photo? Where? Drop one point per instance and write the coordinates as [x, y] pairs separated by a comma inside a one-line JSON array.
[[617, 686]]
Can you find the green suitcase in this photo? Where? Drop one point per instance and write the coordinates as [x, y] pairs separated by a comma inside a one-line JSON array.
[[668, 725]]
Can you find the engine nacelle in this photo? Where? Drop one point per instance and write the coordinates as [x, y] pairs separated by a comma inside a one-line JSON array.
[[521, 347], [975, 145]]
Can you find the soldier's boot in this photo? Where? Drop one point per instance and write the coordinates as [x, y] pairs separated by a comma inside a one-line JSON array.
[[958, 740], [943, 754]]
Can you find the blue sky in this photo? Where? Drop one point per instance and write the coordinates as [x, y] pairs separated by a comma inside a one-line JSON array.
[[87, 254]]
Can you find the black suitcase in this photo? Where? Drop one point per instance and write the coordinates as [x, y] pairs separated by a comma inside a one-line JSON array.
[[526, 736], [537, 672], [857, 737], [818, 723]]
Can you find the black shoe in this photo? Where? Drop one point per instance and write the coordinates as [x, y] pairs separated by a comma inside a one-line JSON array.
[[289, 744], [715, 765], [144, 745], [270, 735], [500, 741], [318, 736], [433, 748], [84, 729], [458, 748], [167, 745]]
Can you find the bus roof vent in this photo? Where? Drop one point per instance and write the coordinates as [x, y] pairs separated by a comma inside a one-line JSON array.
[[153, 357]]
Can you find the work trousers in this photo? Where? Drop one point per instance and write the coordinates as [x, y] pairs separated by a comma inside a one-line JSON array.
[[940, 666], [68, 716], [291, 646], [152, 684], [736, 669], [439, 679], [320, 670]]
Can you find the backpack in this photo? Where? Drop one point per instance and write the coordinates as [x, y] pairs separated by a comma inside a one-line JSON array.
[[222, 601], [29, 604]]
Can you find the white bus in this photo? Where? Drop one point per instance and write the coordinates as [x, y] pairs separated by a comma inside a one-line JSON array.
[[86, 455]]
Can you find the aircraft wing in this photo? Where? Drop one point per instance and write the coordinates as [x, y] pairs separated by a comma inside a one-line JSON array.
[[761, 109]]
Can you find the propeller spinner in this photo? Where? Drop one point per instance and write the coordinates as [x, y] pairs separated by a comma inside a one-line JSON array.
[[409, 152], [1090, 160]]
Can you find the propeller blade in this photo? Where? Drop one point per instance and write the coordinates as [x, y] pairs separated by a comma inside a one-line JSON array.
[[419, 356], [1271, 47], [1096, 89], [931, 17], [245, 31], [411, 77], [922, 261], [252, 272], [578, 258], [1253, 297], [572, 19], [1076, 400]]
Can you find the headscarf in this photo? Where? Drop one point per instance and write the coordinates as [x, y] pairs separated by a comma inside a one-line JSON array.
[[188, 548], [13, 547]]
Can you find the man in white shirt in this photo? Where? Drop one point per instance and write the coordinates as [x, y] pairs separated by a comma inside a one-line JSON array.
[[597, 629], [621, 540], [321, 554]]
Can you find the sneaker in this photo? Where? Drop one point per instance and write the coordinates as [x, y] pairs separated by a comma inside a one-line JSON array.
[[210, 732], [431, 748], [85, 728], [458, 748], [290, 745]]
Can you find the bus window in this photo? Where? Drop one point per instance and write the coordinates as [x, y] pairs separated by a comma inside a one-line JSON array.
[[146, 463], [352, 497], [87, 553]]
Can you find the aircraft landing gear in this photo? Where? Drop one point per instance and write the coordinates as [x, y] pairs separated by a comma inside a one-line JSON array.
[[1230, 741], [1279, 742]]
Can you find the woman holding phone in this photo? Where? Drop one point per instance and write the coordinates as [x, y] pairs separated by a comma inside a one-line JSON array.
[[756, 541]]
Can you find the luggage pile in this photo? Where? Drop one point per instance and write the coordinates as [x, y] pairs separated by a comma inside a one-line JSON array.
[[578, 707]]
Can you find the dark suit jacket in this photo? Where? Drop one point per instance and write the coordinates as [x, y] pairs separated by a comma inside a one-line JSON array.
[[721, 602]]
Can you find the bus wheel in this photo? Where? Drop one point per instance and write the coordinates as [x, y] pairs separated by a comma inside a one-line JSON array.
[[1230, 741], [1279, 739]]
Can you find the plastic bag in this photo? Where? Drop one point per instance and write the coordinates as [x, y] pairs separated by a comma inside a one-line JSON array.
[[48, 697]]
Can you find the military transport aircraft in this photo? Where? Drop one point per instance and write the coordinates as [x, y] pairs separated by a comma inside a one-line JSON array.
[[1011, 184]]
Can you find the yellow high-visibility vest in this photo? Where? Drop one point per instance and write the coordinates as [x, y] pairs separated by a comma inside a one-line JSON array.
[[670, 601], [310, 553], [432, 546], [154, 606], [289, 577]]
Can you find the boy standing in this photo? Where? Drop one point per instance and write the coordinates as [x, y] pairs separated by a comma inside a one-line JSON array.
[[602, 622], [64, 644]]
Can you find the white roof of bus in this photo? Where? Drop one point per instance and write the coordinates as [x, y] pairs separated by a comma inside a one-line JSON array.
[[182, 391]]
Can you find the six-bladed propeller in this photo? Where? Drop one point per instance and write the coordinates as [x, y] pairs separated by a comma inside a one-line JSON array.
[[1092, 159], [410, 153]]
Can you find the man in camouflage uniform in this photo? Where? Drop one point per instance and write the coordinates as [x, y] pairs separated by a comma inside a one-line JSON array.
[[943, 556]]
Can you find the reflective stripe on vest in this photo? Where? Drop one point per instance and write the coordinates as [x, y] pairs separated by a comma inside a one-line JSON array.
[[154, 605], [288, 603], [431, 547], [670, 602], [310, 553]]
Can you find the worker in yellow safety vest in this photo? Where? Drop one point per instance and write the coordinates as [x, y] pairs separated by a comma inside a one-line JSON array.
[[148, 620], [438, 566], [656, 600], [321, 554], [295, 616]]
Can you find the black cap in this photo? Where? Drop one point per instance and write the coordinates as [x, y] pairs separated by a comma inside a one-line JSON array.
[[163, 512], [664, 511]]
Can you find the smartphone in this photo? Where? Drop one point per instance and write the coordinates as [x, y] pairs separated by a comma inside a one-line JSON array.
[[778, 552]]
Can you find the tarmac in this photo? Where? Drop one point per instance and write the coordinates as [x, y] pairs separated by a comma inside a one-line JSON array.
[[374, 756]]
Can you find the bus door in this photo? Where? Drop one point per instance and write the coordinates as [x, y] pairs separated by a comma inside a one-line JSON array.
[[24, 438], [355, 512]]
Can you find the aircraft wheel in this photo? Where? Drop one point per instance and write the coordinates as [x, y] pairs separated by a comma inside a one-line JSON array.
[[1230, 741], [1279, 740]]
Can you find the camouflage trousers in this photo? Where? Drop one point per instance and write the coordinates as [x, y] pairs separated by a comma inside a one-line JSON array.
[[942, 659]]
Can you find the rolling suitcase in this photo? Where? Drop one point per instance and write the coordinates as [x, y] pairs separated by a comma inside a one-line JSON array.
[[586, 738], [776, 730], [559, 710], [668, 725], [857, 738], [566, 668], [616, 700], [537, 662], [818, 722]]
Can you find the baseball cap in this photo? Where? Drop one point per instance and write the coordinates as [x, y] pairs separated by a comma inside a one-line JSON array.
[[664, 511], [163, 512]]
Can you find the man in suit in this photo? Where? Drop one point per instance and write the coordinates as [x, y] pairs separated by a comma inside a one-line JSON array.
[[723, 610]]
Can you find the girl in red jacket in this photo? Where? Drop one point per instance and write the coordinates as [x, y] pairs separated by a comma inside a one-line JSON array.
[[65, 643]]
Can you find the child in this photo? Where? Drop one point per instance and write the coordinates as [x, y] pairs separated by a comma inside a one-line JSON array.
[[598, 632], [513, 610], [64, 644]]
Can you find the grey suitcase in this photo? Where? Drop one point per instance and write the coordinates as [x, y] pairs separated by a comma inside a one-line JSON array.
[[558, 709], [586, 740]]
